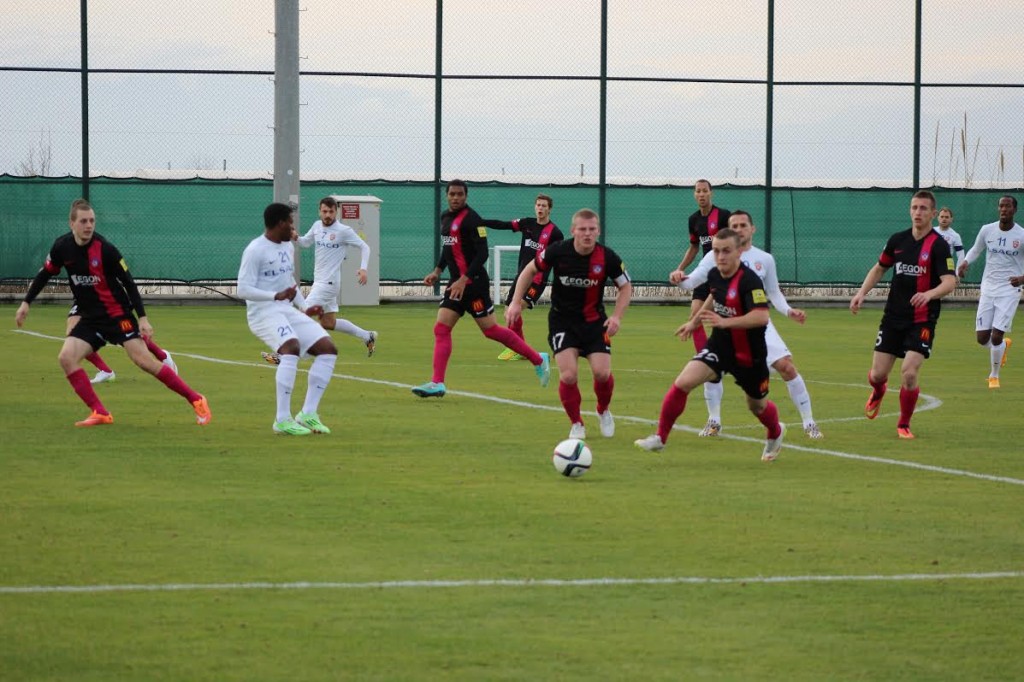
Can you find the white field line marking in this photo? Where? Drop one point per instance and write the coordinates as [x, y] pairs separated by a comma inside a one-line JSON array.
[[640, 420], [507, 582]]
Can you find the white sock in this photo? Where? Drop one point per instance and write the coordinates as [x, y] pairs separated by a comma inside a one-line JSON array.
[[319, 376], [713, 397], [346, 327], [285, 381], [801, 398], [996, 354]]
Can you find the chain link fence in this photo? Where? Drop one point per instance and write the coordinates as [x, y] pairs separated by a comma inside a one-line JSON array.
[[618, 105]]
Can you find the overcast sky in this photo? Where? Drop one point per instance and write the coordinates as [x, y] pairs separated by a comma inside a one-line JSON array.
[[657, 132]]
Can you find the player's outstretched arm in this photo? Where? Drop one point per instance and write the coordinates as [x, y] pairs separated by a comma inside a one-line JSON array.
[[691, 252]]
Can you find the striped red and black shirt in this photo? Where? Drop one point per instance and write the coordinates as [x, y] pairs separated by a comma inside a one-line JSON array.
[[536, 238], [463, 244], [735, 297], [97, 274], [918, 265], [577, 292], [702, 228]]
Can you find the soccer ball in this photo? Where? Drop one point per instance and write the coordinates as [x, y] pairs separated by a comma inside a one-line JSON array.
[[572, 458]]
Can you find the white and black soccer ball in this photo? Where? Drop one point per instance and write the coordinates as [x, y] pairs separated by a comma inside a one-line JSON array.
[[572, 457]]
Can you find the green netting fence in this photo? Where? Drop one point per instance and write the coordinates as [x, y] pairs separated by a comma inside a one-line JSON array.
[[196, 230]]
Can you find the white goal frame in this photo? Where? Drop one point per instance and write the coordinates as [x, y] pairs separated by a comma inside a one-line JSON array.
[[497, 250]]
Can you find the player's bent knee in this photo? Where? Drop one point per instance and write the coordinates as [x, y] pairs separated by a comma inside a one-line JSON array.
[[323, 347], [786, 369], [67, 363], [758, 406]]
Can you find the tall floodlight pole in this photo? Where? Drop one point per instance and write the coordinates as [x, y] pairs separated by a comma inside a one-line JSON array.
[[286, 106]]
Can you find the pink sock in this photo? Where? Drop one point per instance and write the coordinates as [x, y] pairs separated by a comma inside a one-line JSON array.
[[700, 338], [442, 351], [79, 381], [158, 352], [172, 381], [603, 391], [770, 418], [98, 362], [508, 338], [570, 396], [671, 407], [908, 402]]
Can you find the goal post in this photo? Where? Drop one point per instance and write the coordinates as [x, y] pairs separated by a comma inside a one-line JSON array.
[[497, 250]]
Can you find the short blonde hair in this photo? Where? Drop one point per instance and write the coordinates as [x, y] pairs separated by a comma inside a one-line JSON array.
[[586, 214], [78, 205]]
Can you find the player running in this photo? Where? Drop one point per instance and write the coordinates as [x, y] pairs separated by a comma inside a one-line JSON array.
[[779, 357], [1002, 243], [922, 275], [577, 323], [275, 313], [106, 295], [737, 310], [702, 226], [463, 253], [537, 233]]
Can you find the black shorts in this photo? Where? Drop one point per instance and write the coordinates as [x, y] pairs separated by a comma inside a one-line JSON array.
[[753, 380], [702, 292], [476, 299], [585, 337], [530, 297], [74, 310], [896, 338], [98, 333]]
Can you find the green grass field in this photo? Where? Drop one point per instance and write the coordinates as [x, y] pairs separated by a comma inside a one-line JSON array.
[[433, 540]]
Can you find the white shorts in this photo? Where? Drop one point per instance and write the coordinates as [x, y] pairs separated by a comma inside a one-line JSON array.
[[996, 312], [776, 346], [274, 327], [323, 295]]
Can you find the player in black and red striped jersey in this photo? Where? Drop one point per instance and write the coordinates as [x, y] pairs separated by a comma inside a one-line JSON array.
[[107, 297], [737, 310], [537, 233], [702, 226], [922, 274], [463, 253], [577, 324]]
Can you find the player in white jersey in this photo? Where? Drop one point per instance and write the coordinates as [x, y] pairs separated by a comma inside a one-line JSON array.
[[1003, 245], [274, 308], [779, 356], [332, 240], [952, 237]]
